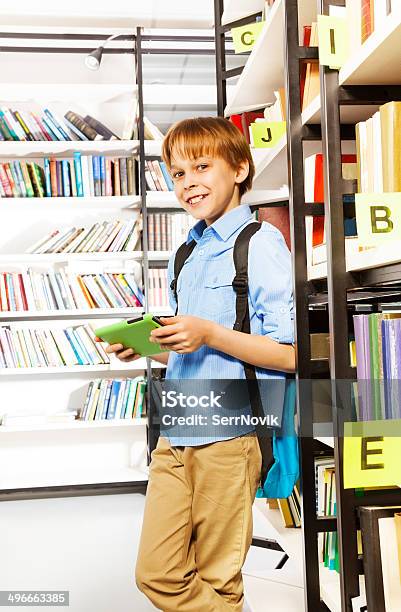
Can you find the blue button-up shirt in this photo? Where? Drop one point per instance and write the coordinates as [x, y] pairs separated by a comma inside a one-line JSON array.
[[204, 289]]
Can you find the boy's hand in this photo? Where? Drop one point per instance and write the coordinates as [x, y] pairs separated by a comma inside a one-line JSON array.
[[182, 334], [123, 354]]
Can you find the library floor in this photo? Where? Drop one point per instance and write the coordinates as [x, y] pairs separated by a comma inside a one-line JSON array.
[[88, 546]]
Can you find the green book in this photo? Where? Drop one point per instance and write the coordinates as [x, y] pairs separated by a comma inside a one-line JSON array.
[[375, 365]]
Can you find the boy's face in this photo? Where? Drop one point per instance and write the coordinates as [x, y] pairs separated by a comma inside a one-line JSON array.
[[206, 187]]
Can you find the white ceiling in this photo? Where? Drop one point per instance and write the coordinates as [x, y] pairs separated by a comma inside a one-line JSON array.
[[118, 13]]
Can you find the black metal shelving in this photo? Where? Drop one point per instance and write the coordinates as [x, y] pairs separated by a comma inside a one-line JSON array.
[[338, 294]]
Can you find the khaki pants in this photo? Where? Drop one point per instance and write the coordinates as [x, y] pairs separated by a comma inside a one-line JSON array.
[[197, 526]]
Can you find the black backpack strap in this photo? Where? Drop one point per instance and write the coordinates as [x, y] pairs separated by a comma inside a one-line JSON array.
[[242, 323], [181, 256]]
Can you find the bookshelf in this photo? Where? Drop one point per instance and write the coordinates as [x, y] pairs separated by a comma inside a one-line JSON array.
[[76, 457], [368, 79]]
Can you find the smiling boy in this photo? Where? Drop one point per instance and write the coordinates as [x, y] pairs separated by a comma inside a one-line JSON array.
[[197, 526]]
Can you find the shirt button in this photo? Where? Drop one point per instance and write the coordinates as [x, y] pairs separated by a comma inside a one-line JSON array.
[[201, 251], [282, 309]]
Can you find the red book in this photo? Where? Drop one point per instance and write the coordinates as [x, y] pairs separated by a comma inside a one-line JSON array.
[[22, 291], [248, 118], [5, 182], [279, 217], [237, 120], [367, 19], [306, 43], [318, 222]]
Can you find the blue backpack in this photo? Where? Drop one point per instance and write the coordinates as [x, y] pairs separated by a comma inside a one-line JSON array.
[[279, 449]]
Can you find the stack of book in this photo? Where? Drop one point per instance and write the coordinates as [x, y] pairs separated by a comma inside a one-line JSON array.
[[82, 176], [107, 236], [378, 144], [46, 125], [158, 288], [290, 509], [157, 176], [166, 232], [114, 399], [378, 365], [32, 290], [152, 132], [23, 347]]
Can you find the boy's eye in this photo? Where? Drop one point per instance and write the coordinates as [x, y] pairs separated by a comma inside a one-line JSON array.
[[202, 166], [177, 174]]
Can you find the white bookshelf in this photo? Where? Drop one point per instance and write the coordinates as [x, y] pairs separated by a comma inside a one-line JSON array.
[[377, 61], [237, 9], [71, 204], [264, 70], [39, 148], [52, 453], [385, 254], [256, 85], [162, 199], [264, 196], [76, 476], [75, 425], [348, 114], [115, 367]]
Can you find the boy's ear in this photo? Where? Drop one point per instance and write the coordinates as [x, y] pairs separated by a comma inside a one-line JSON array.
[[242, 171]]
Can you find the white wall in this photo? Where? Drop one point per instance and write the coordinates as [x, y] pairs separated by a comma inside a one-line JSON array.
[[87, 545]]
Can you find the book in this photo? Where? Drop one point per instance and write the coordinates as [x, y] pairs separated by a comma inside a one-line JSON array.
[[100, 128], [83, 126]]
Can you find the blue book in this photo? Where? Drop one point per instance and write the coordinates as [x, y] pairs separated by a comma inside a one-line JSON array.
[[106, 399], [66, 178], [125, 398], [50, 128], [57, 124], [73, 346], [96, 176], [167, 176], [134, 288], [80, 346], [18, 172], [75, 130], [102, 174], [113, 399], [78, 174], [11, 294], [48, 184], [53, 127]]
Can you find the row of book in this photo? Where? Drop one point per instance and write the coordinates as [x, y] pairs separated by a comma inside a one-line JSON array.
[[167, 231], [378, 365], [107, 236], [82, 176], [325, 482], [157, 176], [32, 290], [44, 125], [23, 347], [114, 399], [378, 146], [158, 288]]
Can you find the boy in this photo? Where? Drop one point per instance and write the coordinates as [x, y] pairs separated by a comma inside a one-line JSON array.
[[197, 526]]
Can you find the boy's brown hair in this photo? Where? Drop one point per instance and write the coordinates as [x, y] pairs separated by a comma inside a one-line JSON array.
[[212, 136]]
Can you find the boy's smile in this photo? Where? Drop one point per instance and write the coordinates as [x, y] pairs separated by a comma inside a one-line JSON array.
[[206, 187]]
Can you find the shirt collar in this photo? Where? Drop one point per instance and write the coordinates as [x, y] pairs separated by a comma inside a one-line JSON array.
[[225, 226]]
